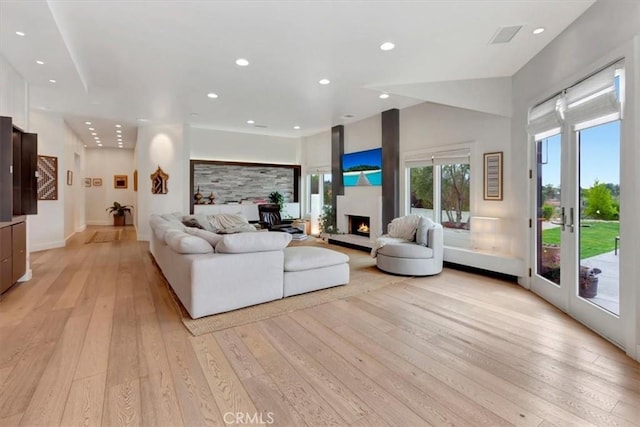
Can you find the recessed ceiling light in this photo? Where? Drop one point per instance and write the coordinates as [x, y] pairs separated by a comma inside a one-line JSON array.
[[250, 122], [324, 81], [87, 123], [93, 133], [296, 127], [95, 137], [212, 95], [91, 129], [384, 95], [120, 146], [20, 33], [52, 80], [85, 145], [538, 30], [242, 62], [118, 131], [39, 62], [119, 139], [118, 126], [387, 46]]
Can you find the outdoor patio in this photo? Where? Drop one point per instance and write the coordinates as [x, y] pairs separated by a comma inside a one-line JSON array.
[[608, 296]]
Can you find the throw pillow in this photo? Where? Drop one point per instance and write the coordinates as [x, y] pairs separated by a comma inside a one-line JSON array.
[[192, 223], [209, 236], [404, 227], [227, 221], [184, 243], [422, 233]]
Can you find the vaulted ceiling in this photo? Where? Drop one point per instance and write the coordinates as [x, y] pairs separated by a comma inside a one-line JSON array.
[[119, 62]]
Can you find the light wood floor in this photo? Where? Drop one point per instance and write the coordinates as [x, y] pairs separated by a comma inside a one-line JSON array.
[[93, 339]]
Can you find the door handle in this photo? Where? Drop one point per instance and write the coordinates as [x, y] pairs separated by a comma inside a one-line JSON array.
[[571, 224]]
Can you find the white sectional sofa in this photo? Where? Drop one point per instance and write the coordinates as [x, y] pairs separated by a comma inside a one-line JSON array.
[[212, 273]]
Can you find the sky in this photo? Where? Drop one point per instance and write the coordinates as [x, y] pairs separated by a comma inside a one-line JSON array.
[[369, 157], [599, 156]]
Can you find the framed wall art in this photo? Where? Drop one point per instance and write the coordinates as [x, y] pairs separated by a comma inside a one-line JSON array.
[[69, 177], [87, 182], [97, 182], [47, 178], [493, 176], [120, 181]]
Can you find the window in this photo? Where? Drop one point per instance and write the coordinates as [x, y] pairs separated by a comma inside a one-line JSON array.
[[440, 188], [319, 193]]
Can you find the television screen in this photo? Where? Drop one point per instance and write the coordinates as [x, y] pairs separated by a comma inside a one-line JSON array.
[[363, 168]]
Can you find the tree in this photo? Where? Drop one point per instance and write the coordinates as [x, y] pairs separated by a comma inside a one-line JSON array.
[[549, 192], [455, 192], [422, 187], [599, 202]]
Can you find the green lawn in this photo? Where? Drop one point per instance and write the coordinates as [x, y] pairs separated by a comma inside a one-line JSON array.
[[596, 237]]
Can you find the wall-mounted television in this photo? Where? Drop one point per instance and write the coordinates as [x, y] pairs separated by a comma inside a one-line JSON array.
[[362, 168]]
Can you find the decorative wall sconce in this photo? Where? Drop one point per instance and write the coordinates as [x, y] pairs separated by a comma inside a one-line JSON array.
[[159, 182]]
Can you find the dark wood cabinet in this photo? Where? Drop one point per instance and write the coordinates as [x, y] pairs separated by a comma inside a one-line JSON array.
[[6, 162], [25, 167], [13, 252], [18, 168], [19, 250]]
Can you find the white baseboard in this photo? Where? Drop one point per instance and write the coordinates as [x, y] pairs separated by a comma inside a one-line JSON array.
[[81, 228], [35, 247], [27, 276]]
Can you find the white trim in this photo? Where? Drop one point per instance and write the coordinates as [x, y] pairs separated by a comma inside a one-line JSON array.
[[47, 245]]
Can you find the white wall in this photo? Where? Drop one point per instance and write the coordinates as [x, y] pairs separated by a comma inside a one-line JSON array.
[[74, 201], [14, 95], [607, 31], [167, 147], [427, 127], [209, 144], [46, 230], [104, 163]]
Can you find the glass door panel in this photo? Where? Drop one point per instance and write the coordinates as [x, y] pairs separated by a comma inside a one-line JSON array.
[[599, 220], [549, 209]]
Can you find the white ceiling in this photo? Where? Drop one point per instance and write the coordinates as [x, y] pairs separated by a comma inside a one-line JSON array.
[[122, 61]]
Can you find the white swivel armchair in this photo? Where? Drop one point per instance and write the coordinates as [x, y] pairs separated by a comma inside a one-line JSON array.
[[412, 258]]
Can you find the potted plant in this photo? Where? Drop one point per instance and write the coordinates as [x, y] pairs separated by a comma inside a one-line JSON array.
[[327, 220], [276, 198], [119, 212], [588, 281]]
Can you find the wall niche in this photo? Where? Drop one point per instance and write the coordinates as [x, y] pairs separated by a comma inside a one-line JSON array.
[[234, 182]]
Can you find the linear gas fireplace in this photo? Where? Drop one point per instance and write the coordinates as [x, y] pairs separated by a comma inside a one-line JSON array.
[[359, 225]]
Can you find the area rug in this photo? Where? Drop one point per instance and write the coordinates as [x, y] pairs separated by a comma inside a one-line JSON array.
[[104, 236], [365, 277]]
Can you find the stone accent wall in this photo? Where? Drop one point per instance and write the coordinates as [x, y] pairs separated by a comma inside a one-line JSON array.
[[237, 183]]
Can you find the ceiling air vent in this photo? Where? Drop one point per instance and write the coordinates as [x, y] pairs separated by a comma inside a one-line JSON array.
[[505, 34], [259, 126]]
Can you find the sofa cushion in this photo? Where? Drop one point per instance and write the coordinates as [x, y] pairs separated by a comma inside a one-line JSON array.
[[161, 229], [172, 216], [209, 236], [422, 232], [184, 243], [406, 250], [253, 242], [301, 258]]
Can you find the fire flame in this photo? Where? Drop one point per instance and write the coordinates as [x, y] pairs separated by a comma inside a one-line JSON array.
[[364, 228]]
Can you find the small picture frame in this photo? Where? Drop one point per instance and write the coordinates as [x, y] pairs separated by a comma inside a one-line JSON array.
[[87, 182], [97, 182], [493, 176], [120, 181], [69, 177]]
